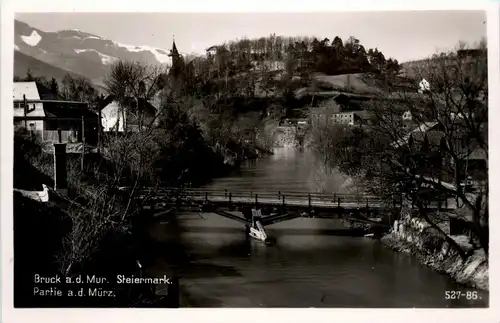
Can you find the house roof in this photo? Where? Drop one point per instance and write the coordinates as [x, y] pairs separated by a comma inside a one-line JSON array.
[[422, 128], [363, 114], [433, 137], [46, 93], [67, 111], [478, 154], [28, 89], [143, 102]]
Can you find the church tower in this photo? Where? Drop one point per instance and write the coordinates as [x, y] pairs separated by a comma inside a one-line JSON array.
[[177, 60], [174, 53]]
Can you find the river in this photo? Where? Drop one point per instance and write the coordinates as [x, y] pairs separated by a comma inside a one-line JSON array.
[[312, 265]]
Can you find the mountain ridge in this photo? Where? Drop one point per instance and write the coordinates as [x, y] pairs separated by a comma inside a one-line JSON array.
[[81, 52]]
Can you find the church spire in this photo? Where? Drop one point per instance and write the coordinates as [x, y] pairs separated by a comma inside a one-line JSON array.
[[173, 52]]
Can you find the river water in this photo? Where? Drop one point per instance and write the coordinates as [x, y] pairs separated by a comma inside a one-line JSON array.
[[312, 265]]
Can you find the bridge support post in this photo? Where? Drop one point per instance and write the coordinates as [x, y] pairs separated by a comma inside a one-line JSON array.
[[309, 208], [230, 204], [338, 203]]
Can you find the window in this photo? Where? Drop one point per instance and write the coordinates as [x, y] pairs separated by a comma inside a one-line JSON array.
[[20, 105], [31, 107]]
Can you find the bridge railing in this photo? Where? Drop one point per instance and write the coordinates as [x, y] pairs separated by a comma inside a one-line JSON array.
[[286, 197]]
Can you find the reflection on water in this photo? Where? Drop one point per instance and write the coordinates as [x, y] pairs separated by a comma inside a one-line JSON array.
[[312, 264], [287, 170]]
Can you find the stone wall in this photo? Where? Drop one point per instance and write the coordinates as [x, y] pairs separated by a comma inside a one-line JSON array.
[[414, 235]]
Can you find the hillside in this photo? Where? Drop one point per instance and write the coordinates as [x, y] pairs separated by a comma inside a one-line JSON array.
[[23, 63], [357, 83]]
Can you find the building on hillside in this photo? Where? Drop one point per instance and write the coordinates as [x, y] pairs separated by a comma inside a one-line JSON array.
[[408, 120], [424, 86], [422, 128], [407, 116], [349, 102], [128, 115], [471, 161], [45, 114], [364, 117], [349, 118], [470, 53]]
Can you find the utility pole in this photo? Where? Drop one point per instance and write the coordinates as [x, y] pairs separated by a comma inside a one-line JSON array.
[[25, 106], [83, 144]]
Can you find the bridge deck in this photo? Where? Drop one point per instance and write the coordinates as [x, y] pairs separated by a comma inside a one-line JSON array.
[[275, 199]]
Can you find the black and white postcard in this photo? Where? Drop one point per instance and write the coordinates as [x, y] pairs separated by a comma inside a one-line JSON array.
[[327, 159]]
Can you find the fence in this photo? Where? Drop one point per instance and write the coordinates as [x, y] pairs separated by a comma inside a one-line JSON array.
[[66, 136], [267, 197]]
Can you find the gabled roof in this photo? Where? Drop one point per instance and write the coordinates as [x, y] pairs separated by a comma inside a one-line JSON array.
[[47, 94], [424, 127], [477, 154], [433, 137], [29, 89], [143, 102]]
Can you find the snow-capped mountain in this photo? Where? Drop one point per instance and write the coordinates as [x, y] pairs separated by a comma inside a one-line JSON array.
[[80, 52]]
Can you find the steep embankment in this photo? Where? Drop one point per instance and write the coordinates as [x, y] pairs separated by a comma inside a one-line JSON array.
[[413, 236]]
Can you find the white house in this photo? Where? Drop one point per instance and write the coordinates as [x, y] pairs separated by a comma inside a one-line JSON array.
[[424, 86], [407, 116], [28, 91], [112, 115], [109, 117], [348, 118]]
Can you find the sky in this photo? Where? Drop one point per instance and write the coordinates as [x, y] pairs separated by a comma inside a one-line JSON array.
[[404, 35]]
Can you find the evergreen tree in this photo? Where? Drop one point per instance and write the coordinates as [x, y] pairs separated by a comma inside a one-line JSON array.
[[54, 87]]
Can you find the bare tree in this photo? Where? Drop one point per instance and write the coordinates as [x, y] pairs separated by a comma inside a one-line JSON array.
[[437, 161], [134, 81], [429, 162]]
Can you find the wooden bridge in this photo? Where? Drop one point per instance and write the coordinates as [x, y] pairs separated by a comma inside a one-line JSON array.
[[212, 199], [263, 199], [264, 208]]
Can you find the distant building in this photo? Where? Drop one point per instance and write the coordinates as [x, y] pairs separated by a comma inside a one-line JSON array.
[[407, 119], [349, 118], [424, 86], [423, 128], [470, 53], [407, 115]]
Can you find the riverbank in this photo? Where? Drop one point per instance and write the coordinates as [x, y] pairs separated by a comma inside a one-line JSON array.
[[411, 235]]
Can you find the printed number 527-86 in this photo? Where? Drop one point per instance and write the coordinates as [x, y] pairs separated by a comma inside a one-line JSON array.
[[457, 294]]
